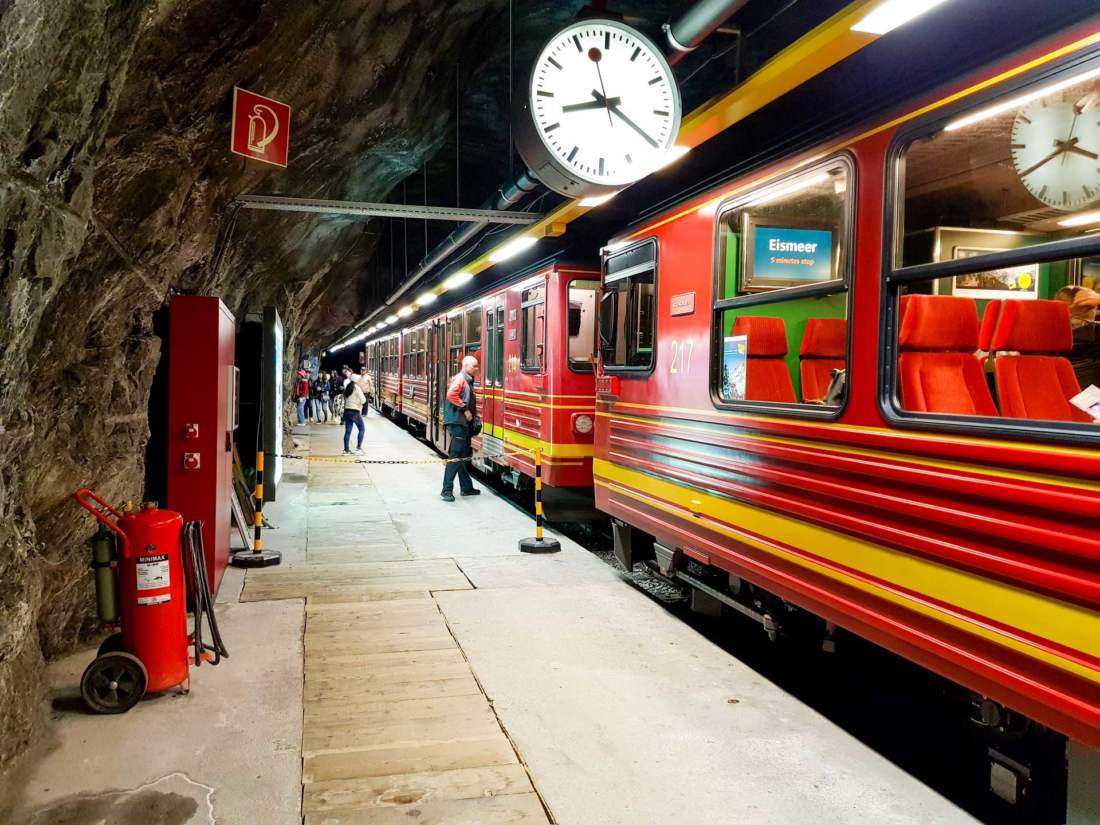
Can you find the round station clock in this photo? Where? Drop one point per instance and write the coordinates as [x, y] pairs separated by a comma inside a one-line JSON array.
[[1056, 151], [601, 109]]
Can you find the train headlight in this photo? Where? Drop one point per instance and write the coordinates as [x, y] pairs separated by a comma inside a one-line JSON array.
[[582, 424]]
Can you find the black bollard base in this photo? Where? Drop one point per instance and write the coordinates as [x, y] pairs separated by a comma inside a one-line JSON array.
[[264, 558], [543, 545]]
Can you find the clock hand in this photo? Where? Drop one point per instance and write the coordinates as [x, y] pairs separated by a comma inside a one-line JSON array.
[[1072, 128], [599, 74], [1044, 161], [618, 113], [1070, 146], [591, 104]]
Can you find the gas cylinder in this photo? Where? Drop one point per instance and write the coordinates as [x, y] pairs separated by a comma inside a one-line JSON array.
[[152, 594]]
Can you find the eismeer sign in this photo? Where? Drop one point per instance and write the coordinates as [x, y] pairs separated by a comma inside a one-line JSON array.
[[792, 255], [260, 129]]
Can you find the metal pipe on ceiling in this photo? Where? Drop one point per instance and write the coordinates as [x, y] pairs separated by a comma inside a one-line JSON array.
[[684, 35], [697, 24]]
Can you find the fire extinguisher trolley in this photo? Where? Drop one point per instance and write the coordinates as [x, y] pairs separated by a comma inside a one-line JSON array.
[[150, 653]]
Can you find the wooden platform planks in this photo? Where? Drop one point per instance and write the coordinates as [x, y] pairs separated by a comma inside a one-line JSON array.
[[396, 728], [356, 581]]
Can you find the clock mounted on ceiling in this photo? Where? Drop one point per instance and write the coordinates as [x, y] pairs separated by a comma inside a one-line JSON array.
[[1056, 150], [601, 109]]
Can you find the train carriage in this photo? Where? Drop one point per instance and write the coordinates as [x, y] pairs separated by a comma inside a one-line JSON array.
[[845, 382], [535, 339]]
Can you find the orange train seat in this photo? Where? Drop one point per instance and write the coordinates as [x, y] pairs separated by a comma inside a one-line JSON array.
[[766, 375], [824, 349], [937, 369], [1033, 385]]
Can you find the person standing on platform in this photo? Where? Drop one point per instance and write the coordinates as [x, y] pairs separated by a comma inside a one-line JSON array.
[[353, 416], [315, 399], [459, 414], [328, 387], [366, 384], [301, 394]]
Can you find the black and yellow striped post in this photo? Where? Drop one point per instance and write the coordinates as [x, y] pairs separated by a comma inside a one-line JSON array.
[[257, 556], [539, 544], [257, 539]]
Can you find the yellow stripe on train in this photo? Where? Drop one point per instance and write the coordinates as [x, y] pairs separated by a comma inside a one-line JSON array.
[[1069, 625]]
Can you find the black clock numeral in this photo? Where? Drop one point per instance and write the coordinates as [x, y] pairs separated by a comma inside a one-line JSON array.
[[607, 41], [573, 154], [553, 62], [551, 127], [660, 112], [1088, 192], [577, 42], [1024, 119], [601, 166], [628, 159], [1017, 146], [541, 93], [656, 80], [637, 52], [1042, 192]]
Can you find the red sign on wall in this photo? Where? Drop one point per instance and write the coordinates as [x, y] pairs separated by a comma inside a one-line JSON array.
[[261, 128]]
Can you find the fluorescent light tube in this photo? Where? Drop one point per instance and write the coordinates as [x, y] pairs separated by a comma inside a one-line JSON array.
[[457, 279], [890, 14], [1081, 219], [512, 248], [426, 298], [597, 200], [1014, 102]]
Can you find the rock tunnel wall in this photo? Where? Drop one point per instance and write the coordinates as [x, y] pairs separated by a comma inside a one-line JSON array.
[[114, 180]]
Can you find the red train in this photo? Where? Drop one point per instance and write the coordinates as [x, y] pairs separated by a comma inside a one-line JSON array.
[[845, 380], [842, 384], [535, 337]]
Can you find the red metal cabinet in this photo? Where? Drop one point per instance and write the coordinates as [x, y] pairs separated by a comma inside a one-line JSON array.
[[202, 413]]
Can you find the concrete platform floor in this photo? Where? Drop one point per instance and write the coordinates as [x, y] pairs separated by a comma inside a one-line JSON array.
[[619, 712]]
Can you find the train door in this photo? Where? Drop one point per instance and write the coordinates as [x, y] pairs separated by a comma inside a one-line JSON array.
[[438, 380], [492, 376]]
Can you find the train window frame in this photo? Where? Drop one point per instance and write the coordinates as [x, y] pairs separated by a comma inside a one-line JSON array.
[[581, 367], [498, 377], [895, 276], [845, 284], [471, 346], [625, 370], [488, 323], [526, 305]]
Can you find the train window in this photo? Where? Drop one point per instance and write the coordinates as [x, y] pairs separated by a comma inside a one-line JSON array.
[[491, 354], [533, 329], [790, 233], [473, 330], [991, 315], [454, 324], [409, 358], [581, 323], [628, 318], [781, 305]]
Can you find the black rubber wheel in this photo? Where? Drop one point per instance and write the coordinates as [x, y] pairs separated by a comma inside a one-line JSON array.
[[113, 683], [112, 644]]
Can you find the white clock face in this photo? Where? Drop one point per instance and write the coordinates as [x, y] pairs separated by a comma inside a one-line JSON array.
[[1056, 149], [604, 102]]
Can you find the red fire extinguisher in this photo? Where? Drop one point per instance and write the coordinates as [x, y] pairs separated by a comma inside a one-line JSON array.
[[150, 653]]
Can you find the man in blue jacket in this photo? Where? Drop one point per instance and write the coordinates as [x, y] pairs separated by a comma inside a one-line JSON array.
[[459, 412]]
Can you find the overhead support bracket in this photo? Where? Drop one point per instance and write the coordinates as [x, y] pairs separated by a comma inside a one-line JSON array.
[[277, 203]]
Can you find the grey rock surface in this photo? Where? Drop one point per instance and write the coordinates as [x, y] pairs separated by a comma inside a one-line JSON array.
[[114, 180]]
